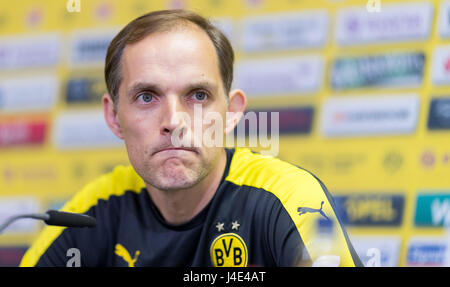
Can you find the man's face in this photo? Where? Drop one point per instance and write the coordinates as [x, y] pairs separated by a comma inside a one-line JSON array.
[[164, 76]]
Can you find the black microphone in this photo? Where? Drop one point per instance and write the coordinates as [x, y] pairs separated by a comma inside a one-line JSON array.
[[68, 219], [55, 217]]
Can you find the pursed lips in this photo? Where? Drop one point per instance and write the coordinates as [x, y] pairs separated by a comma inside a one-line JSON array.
[[175, 149]]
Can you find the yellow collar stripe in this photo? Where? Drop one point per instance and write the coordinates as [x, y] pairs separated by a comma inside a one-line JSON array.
[[122, 179], [294, 187]]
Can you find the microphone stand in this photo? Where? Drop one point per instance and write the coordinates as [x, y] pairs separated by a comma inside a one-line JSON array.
[[41, 216], [57, 218]]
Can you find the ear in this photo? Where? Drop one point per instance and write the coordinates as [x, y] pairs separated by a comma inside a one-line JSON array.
[[237, 102], [111, 115]]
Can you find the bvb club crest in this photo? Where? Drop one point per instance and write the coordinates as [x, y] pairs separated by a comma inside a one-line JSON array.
[[229, 250]]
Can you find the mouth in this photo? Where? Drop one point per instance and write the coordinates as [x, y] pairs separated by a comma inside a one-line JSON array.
[[175, 149]]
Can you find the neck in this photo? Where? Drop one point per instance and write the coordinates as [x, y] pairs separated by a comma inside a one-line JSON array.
[[180, 206]]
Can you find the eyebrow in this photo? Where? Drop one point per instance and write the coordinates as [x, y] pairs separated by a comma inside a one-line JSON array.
[[148, 86]]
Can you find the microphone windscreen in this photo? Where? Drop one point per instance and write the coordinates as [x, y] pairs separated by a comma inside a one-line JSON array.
[[68, 219]]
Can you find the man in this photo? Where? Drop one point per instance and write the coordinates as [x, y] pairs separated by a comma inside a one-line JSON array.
[[188, 204]]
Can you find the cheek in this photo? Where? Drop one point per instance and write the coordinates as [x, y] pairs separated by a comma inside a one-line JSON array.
[[214, 116], [134, 123], [138, 132], [138, 147]]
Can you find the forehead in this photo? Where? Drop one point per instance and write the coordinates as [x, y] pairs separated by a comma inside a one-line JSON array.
[[171, 57]]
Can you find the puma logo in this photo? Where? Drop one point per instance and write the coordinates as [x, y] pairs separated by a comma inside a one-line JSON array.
[[122, 252], [303, 210]]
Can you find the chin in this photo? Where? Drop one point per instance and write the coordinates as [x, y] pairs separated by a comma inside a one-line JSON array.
[[173, 184], [175, 178]]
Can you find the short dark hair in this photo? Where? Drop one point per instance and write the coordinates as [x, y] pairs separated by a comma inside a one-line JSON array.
[[160, 21]]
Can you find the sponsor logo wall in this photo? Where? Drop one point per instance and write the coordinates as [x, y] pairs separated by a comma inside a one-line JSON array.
[[23, 130], [363, 102], [428, 252], [432, 209], [362, 116], [377, 251], [10, 205], [371, 209], [88, 47], [439, 114], [379, 70], [410, 21], [285, 31], [87, 129], [292, 76], [29, 52]]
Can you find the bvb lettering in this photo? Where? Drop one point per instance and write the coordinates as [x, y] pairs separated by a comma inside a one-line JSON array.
[[229, 250]]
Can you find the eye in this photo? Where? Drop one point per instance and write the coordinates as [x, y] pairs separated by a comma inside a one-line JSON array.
[[200, 96], [145, 97]]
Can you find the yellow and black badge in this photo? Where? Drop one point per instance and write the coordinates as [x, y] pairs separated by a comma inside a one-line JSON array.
[[229, 250]]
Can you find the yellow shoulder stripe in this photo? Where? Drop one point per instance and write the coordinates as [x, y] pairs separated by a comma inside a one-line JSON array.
[[121, 179], [295, 188]]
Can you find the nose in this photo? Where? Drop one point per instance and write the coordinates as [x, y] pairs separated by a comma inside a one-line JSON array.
[[173, 116]]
